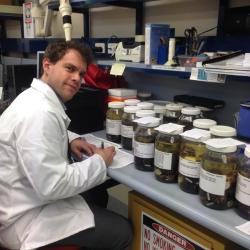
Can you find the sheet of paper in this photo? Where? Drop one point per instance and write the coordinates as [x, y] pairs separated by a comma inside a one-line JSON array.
[[196, 133], [223, 142], [121, 158], [98, 141], [245, 228], [1, 93], [169, 127], [117, 69]]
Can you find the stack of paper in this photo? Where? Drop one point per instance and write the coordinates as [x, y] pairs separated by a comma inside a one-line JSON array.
[[239, 65], [246, 61]]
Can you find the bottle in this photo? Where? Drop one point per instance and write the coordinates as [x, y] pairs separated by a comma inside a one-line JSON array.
[[127, 126], [173, 112], [144, 96], [243, 186], [159, 112], [144, 139], [166, 158], [113, 121], [192, 150], [143, 113], [206, 112], [204, 123], [188, 115], [218, 176]]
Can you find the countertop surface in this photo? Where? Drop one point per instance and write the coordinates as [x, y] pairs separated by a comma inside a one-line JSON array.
[[222, 222]]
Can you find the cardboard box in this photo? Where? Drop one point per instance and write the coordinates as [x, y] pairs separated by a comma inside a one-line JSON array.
[[28, 21]]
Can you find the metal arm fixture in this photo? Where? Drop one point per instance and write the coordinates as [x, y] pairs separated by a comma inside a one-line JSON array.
[[43, 17]]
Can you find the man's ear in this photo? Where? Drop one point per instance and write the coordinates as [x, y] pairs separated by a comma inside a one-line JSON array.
[[46, 65]]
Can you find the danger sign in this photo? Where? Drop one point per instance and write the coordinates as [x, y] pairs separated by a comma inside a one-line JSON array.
[[158, 236]]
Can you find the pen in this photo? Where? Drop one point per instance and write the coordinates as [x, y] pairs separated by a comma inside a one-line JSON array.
[[102, 145]]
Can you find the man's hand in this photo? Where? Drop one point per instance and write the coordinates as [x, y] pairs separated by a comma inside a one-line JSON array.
[[107, 154], [80, 146]]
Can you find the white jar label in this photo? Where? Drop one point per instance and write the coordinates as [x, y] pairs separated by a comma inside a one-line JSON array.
[[243, 190], [189, 168], [144, 150], [113, 127], [127, 131], [212, 183], [163, 160]]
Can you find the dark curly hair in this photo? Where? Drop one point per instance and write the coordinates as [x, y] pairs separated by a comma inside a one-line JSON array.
[[55, 51]]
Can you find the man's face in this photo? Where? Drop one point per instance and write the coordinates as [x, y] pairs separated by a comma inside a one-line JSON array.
[[65, 76]]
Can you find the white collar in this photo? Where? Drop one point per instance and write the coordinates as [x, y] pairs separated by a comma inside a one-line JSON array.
[[50, 94]]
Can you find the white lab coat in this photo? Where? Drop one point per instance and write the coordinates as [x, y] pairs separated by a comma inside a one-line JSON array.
[[38, 187]]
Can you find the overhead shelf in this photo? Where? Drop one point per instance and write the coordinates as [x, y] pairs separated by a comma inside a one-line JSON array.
[[11, 11], [81, 6], [183, 72], [229, 72], [99, 3]]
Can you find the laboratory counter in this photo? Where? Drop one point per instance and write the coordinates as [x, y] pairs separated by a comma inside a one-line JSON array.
[[222, 222]]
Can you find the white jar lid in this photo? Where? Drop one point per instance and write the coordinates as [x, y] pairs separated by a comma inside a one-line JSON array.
[[229, 149], [144, 94], [145, 105], [144, 113], [131, 102], [223, 131], [130, 109], [247, 151], [174, 107], [204, 109], [204, 123], [116, 105], [159, 109], [190, 111]]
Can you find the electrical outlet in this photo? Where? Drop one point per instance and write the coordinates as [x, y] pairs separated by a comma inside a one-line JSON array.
[[102, 46], [112, 48]]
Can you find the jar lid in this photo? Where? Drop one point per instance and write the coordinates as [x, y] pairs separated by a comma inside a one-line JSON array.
[[174, 107], [144, 94], [130, 109], [144, 112], [229, 149], [223, 131], [247, 151], [190, 111], [204, 109], [159, 109], [204, 123], [116, 105], [145, 105], [131, 102]]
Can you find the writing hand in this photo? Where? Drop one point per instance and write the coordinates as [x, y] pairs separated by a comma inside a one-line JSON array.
[[107, 154]]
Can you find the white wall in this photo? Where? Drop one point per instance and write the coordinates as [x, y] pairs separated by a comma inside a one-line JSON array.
[[108, 21]]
